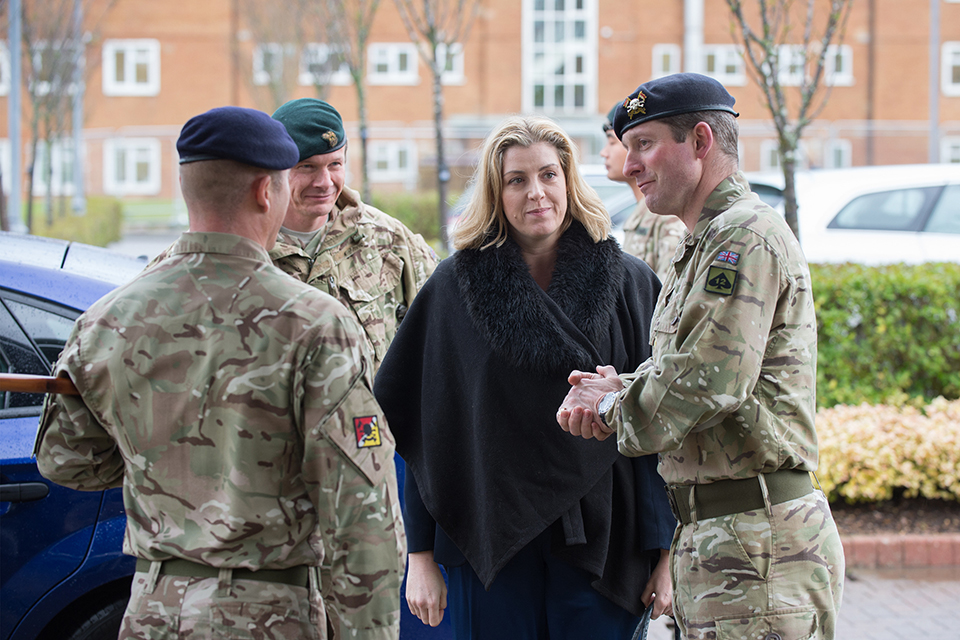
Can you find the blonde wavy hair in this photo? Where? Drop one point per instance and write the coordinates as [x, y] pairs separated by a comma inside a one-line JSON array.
[[483, 223]]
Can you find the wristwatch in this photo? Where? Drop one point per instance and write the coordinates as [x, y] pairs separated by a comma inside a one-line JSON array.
[[606, 403]]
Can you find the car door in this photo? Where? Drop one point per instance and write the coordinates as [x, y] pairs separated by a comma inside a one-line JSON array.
[[45, 529], [940, 238]]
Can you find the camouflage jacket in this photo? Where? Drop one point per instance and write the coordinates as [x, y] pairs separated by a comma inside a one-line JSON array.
[[233, 404], [368, 261], [653, 238], [730, 390]]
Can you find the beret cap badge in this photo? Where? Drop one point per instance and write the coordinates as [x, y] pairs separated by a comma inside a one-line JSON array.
[[636, 106], [330, 137]]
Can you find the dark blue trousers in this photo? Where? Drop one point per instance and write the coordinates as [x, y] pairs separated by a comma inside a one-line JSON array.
[[535, 597]]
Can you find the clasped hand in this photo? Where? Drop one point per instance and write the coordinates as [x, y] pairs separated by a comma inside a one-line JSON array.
[[578, 413]]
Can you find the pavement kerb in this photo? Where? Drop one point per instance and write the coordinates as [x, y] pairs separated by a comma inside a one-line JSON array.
[[888, 551]]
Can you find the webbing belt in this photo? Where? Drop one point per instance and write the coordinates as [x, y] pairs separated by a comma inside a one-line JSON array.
[[294, 576], [724, 497]]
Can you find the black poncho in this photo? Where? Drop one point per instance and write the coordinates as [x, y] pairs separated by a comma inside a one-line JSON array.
[[470, 387]]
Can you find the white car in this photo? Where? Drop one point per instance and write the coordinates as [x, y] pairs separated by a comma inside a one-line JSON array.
[[874, 215]]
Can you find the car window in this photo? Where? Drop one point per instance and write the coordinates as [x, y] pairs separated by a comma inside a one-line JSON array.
[[773, 196], [32, 335], [896, 210], [946, 215]]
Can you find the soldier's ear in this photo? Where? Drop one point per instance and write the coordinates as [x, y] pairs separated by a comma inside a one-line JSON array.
[[261, 192], [702, 139]]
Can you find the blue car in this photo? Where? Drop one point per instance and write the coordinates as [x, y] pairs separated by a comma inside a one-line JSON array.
[[62, 573]]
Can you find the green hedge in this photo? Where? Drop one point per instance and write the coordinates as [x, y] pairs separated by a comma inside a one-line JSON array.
[[417, 210], [887, 334], [101, 225]]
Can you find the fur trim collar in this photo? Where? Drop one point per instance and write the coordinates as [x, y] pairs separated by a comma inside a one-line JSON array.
[[511, 312]]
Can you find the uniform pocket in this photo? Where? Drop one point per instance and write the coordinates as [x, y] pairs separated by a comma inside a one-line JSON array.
[[796, 624]]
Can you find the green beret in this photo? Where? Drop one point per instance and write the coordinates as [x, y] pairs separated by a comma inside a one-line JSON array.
[[313, 124], [670, 96]]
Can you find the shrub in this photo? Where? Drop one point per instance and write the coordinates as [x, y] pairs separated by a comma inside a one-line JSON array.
[[869, 452], [100, 226], [887, 332]]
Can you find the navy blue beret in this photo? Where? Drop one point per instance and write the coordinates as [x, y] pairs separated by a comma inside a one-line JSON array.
[[234, 133], [670, 96], [314, 125]]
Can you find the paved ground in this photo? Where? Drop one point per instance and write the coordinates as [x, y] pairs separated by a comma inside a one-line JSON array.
[[890, 604]]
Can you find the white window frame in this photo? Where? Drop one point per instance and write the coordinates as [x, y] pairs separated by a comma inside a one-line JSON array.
[[950, 60], [385, 62], [399, 158], [834, 147], [319, 53], [5, 160], [4, 68], [61, 153], [559, 56], [725, 55], [141, 51], [949, 148], [792, 59], [842, 77], [669, 54], [135, 149], [770, 160], [453, 71], [262, 76]]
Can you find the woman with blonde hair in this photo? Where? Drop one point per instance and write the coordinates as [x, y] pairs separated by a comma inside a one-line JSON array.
[[543, 535]]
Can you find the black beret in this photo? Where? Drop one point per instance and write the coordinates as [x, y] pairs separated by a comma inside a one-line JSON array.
[[313, 124], [234, 133], [670, 96]]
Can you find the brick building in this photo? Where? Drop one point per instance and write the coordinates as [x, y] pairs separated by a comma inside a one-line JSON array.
[[153, 64]]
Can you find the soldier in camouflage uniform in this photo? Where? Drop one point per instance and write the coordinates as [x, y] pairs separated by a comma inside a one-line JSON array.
[[728, 397], [331, 240], [233, 404], [650, 237]]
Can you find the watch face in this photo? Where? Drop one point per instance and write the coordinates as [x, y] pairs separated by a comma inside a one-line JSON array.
[[606, 402]]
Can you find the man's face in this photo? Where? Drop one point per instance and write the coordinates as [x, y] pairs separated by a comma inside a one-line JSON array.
[[666, 171], [316, 183], [279, 203], [614, 154]]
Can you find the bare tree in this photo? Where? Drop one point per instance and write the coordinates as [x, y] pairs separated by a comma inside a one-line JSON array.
[[54, 47], [439, 28], [789, 42], [290, 49], [349, 23]]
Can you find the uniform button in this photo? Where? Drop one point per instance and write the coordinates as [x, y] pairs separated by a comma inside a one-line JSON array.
[[333, 282]]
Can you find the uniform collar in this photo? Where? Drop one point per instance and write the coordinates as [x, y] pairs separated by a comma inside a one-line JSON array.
[[223, 243]]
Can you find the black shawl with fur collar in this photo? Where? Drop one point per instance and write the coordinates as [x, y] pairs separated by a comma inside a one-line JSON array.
[[471, 385]]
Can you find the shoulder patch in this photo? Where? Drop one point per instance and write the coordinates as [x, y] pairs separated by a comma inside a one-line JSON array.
[[728, 256], [720, 280], [368, 431]]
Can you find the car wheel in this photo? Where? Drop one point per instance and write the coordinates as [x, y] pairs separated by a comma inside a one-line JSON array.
[[103, 624]]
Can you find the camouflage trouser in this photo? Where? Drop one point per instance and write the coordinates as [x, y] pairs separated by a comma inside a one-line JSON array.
[[754, 576], [205, 608]]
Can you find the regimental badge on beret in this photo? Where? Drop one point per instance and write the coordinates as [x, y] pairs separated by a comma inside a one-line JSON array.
[[331, 138], [636, 106]]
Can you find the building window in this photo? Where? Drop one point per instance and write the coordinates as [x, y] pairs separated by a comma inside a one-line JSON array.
[[950, 150], [392, 63], [4, 69], [950, 69], [453, 63], [838, 65], [131, 166], [321, 64], [770, 156], [58, 164], [724, 63], [267, 63], [837, 154], [792, 61], [666, 60], [559, 56], [131, 67], [394, 161]]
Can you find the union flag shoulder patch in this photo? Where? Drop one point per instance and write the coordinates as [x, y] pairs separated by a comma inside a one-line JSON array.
[[368, 431], [728, 256], [720, 280]]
